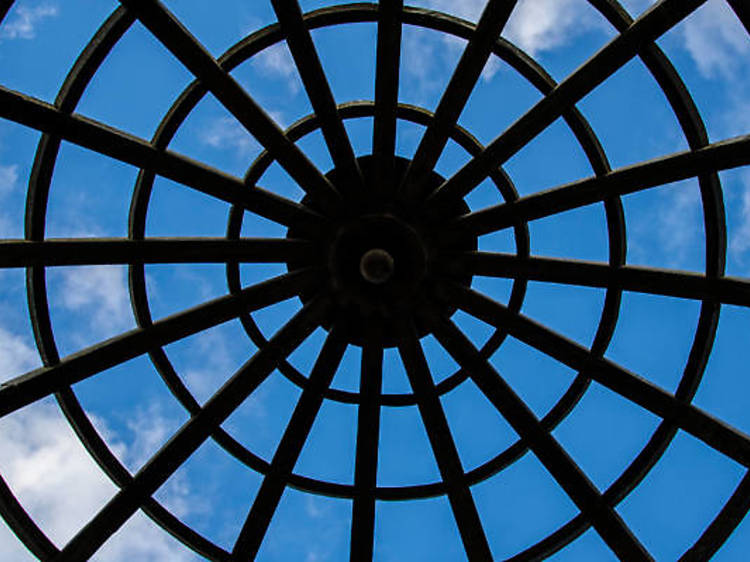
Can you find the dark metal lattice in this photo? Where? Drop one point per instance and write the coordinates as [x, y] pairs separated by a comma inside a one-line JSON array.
[[415, 217]]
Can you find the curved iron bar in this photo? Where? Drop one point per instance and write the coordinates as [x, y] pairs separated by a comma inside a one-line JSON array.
[[702, 160]]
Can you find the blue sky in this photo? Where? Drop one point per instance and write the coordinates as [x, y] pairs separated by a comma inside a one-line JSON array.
[[62, 488]]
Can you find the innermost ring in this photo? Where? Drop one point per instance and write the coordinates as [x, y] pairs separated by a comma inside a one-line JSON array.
[[377, 266]]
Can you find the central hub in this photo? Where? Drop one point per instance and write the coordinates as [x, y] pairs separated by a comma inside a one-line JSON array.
[[377, 259], [381, 258], [377, 266]]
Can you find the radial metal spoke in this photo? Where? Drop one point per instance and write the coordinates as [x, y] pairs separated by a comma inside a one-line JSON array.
[[296, 433], [101, 251], [25, 389], [386, 93], [683, 284], [725, 439], [132, 150], [366, 462], [558, 463], [718, 156], [319, 92], [191, 53], [194, 433], [656, 21], [473, 60], [446, 454]]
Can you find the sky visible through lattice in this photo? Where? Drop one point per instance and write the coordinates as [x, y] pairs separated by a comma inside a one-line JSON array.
[[62, 488]]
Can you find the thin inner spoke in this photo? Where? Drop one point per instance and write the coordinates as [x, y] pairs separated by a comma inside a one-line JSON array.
[[366, 462], [191, 53], [473, 60], [718, 156], [34, 385], [563, 469], [108, 251], [132, 150], [294, 438], [441, 440], [386, 92], [725, 439], [319, 92], [194, 433], [656, 21], [683, 284]]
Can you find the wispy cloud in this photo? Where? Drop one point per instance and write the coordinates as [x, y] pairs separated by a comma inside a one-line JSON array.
[[680, 224], [542, 25], [719, 46], [62, 488], [466, 9], [24, 20], [147, 430], [716, 40], [534, 25], [422, 56], [226, 133], [149, 427], [276, 62], [100, 294], [8, 179], [16, 355], [212, 360], [8, 185], [739, 243], [666, 230]]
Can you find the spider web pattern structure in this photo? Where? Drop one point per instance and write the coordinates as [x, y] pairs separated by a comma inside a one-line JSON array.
[[422, 221]]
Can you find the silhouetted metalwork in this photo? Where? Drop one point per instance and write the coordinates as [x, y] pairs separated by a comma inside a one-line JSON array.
[[381, 251]]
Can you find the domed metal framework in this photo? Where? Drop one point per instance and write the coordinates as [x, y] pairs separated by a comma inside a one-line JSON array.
[[382, 251]]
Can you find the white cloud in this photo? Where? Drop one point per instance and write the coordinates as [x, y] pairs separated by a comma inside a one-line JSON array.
[[22, 24], [715, 39], [141, 539], [466, 9], [739, 244], [150, 428], [226, 133], [666, 229], [534, 25], [8, 179], [212, 360], [542, 25], [47, 469], [277, 62], [423, 58], [680, 223], [314, 508], [8, 185], [100, 293], [147, 429], [16, 355], [62, 488]]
